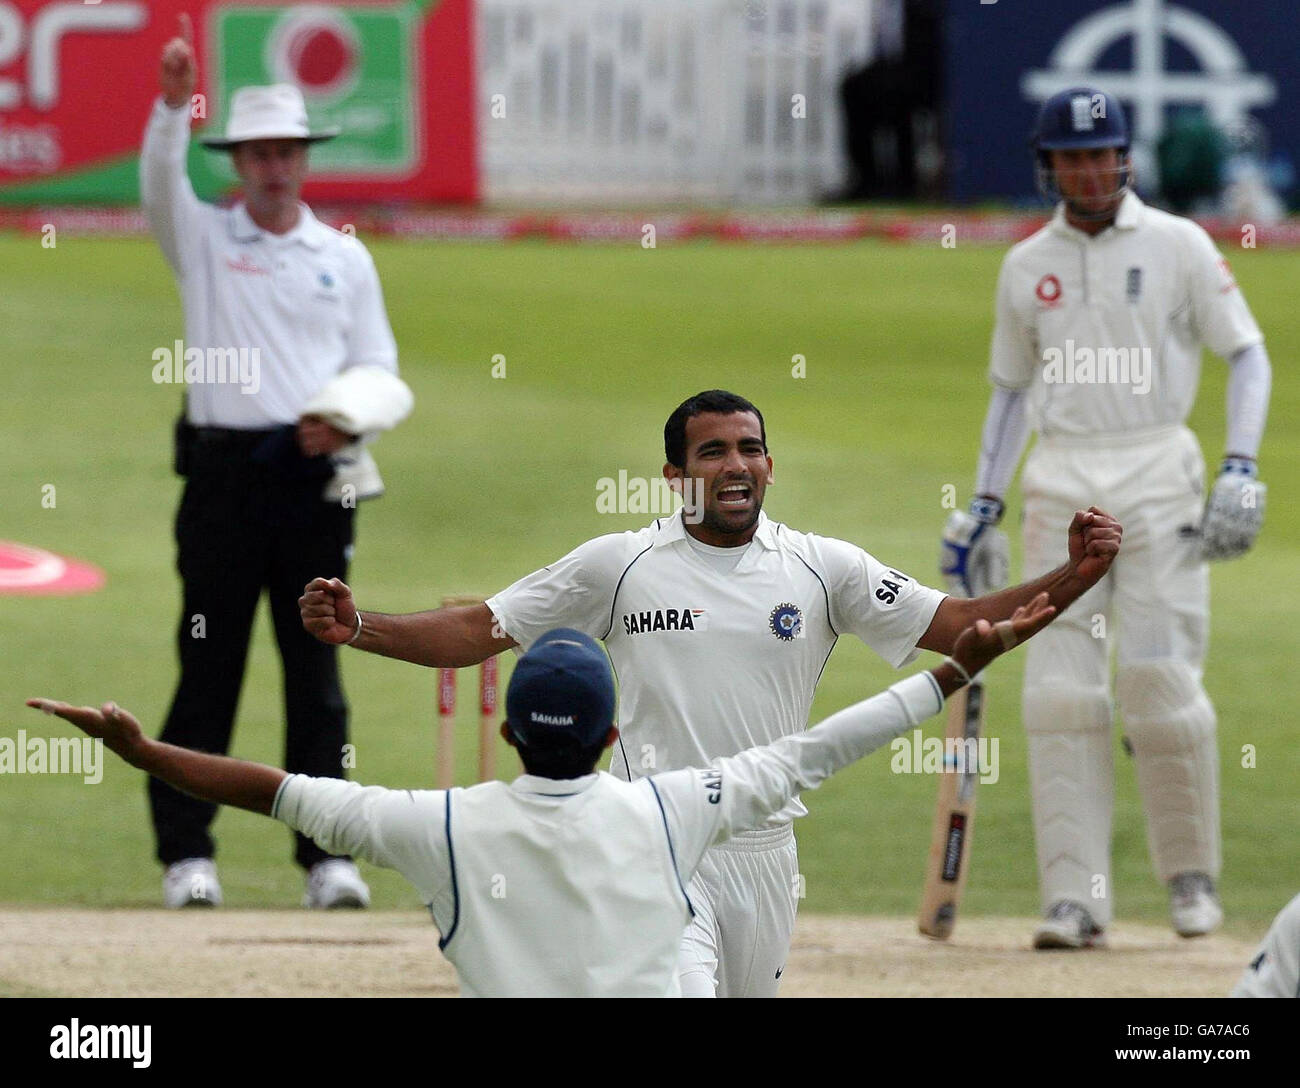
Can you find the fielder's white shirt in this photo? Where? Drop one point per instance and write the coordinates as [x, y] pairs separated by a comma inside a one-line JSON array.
[[1153, 286], [1275, 970], [708, 663], [549, 888], [309, 300]]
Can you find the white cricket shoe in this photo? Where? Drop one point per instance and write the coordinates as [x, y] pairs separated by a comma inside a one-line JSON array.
[[335, 883], [1069, 925], [191, 883], [1194, 905]]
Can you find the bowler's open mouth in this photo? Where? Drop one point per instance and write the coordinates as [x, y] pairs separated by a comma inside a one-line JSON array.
[[735, 495]]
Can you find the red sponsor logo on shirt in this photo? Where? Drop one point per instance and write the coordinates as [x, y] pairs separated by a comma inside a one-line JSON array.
[[1229, 280], [1049, 290], [245, 266]]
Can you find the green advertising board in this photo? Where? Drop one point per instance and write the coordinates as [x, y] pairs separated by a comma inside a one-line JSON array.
[[356, 66]]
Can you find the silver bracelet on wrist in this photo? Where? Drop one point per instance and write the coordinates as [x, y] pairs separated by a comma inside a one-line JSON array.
[[357, 633], [957, 668]]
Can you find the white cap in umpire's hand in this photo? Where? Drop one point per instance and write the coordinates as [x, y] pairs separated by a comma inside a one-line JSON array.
[[277, 112]]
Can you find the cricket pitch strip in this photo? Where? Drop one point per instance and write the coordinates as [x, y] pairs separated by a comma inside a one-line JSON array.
[[296, 953]]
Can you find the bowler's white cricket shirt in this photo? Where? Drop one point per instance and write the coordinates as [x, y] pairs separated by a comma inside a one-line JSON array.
[[710, 664], [1106, 331], [309, 301], [549, 888]]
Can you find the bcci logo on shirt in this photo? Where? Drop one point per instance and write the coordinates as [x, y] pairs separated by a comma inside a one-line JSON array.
[[786, 622]]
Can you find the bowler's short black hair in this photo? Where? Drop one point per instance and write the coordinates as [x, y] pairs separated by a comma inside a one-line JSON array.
[[711, 400]]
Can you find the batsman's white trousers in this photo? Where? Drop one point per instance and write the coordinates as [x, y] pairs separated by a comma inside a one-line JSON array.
[[745, 894], [1153, 608]]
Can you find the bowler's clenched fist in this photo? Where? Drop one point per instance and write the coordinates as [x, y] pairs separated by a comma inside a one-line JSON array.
[[328, 611], [1094, 542]]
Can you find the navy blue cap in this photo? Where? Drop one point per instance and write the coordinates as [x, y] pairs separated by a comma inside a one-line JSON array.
[[561, 694], [1082, 118]]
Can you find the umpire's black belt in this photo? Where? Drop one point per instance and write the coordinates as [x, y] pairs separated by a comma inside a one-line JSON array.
[[230, 437], [269, 449]]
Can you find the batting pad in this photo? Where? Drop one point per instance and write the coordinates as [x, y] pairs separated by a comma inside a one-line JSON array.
[[1171, 725], [1072, 780]]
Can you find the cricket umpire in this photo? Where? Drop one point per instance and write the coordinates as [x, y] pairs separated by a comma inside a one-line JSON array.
[[565, 882], [1101, 318], [272, 449]]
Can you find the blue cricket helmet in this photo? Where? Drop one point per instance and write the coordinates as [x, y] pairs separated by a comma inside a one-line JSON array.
[[1080, 118]]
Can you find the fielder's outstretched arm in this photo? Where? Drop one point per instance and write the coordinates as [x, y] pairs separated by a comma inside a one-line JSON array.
[[385, 827], [445, 638], [741, 792], [1094, 541], [221, 779]]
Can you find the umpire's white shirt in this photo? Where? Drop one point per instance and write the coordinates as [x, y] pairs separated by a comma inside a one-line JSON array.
[[1153, 286], [309, 300], [708, 663], [548, 888]]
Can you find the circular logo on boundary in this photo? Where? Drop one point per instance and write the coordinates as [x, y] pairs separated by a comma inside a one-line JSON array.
[[34, 571], [316, 48], [786, 621]]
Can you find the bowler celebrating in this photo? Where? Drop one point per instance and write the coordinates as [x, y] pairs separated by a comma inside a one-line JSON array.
[[719, 622]]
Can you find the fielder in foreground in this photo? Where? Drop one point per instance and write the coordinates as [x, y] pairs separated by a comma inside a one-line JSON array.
[[566, 882]]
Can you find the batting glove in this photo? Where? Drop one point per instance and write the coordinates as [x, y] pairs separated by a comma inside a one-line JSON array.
[[975, 556], [1234, 511]]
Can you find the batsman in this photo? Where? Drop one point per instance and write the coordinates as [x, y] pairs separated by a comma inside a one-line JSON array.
[[1101, 317]]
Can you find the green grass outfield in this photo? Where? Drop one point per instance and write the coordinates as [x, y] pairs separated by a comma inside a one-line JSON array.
[[493, 478]]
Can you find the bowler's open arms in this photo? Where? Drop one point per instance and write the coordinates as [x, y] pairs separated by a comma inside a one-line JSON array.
[[703, 806], [456, 638]]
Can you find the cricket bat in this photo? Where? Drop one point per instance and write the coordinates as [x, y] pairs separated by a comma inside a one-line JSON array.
[[954, 814]]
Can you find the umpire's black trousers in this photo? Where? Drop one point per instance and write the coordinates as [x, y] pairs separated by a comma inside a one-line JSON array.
[[251, 518]]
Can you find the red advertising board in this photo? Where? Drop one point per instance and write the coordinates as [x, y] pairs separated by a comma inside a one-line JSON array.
[[77, 80]]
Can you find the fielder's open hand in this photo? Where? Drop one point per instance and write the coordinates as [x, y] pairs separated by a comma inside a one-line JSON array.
[[328, 611], [180, 69], [1094, 543], [116, 727], [982, 641]]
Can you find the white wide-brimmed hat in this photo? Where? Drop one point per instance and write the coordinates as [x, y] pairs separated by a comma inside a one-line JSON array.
[[277, 112]]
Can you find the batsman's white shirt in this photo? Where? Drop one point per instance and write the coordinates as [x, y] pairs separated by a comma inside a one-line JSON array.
[[309, 301], [1126, 308], [710, 665], [549, 888]]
